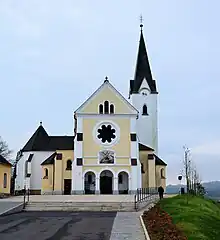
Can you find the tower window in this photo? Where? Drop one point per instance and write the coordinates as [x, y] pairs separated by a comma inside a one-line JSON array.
[[106, 107], [111, 108], [101, 108], [144, 110]]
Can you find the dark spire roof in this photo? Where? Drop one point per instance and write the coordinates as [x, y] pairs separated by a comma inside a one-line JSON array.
[[41, 141], [4, 161], [142, 69], [38, 140]]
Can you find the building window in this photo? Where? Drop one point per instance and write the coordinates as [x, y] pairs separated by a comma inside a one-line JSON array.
[[144, 110], [106, 107], [101, 108], [69, 165], [46, 173], [5, 180], [59, 156], [142, 168], [112, 109], [162, 173]]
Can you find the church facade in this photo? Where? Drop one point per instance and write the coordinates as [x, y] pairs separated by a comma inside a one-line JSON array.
[[114, 147]]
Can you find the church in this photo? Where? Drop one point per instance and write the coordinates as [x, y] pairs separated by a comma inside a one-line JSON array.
[[113, 149]]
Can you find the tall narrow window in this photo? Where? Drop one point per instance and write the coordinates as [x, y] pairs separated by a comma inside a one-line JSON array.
[[106, 107], [142, 168], [69, 165], [46, 173], [145, 110], [5, 180], [162, 173], [101, 109], [111, 108]]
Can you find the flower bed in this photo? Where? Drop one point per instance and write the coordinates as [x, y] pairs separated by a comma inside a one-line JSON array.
[[159, 225]]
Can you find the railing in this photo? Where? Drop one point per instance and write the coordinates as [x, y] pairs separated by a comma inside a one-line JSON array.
[[26, 193], [143, 195]]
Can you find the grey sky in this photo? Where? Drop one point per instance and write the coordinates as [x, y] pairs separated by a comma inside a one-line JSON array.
[[54, 54]]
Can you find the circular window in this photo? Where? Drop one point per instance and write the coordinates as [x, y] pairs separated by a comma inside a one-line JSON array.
[[106, 133]]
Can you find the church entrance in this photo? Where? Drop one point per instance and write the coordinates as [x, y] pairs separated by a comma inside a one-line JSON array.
[[106, 182], [89, 183]]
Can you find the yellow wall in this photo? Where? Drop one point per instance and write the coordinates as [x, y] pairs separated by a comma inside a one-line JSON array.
[[4, 168], [109, 95], [93, 161], [47, 183], [91, 147], [60, 169], [160, 181], [143, 155]]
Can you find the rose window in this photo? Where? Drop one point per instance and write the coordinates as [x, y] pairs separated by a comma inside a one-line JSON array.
[[106, 133]]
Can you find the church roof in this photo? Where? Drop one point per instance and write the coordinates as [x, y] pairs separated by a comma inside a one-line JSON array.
[[4, 161], [50, 159], [143, 70], [41, 141], [159, 161], [143, 147]]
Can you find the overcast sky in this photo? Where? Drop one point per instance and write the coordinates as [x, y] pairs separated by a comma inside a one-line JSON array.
[[54, 54]]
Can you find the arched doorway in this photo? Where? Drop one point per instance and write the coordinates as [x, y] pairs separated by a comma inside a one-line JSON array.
[[89, 183], [123, 185], [106, 182]]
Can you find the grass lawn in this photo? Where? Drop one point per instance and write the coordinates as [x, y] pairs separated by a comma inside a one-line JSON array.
[[199, 219]]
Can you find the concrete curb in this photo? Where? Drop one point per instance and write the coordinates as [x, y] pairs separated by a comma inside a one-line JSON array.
[[12, 210], [144, 228]]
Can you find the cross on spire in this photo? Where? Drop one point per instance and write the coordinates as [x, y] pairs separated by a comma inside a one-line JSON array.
[[141, 21]]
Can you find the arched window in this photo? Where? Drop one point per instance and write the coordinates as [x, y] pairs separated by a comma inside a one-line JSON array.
[[69, 165], [101, 109], [5, 180], [144, 110], [142, 168], [46, 173], [162, 173], [106, 107], [111, 108]]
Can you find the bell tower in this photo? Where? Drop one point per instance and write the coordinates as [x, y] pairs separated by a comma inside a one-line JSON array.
[[143, 93]]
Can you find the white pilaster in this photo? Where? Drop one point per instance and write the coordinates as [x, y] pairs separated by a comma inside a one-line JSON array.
[[115, 184], [77, 173]]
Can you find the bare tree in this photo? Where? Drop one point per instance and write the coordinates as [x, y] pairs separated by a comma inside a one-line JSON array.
[[187, 167], [4, 149]]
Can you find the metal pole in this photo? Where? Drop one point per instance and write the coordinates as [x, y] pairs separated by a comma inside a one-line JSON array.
[[24, 197]]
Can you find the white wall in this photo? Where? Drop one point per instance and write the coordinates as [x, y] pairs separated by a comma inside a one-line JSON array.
[[36, 170], [146, 124]]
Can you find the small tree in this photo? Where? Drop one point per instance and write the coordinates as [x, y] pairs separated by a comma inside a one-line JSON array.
[[4, 149]]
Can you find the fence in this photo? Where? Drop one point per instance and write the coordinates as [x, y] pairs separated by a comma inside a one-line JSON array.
[[144, 195]]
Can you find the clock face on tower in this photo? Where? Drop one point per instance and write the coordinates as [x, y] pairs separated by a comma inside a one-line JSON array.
[[106, 157]]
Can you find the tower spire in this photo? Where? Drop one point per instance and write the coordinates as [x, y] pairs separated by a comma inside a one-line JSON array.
[[143, 70]]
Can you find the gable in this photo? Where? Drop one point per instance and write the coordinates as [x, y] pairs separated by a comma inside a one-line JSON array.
[[106, 92]]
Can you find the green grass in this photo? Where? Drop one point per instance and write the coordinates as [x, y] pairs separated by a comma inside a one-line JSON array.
[[199, 219]]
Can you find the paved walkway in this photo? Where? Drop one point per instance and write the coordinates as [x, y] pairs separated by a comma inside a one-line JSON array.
[[127, 226]]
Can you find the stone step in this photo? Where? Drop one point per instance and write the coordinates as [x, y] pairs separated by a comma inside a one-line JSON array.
[[80, 206]]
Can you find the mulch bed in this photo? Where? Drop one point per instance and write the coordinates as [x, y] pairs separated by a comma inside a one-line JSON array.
[[159, 225]]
